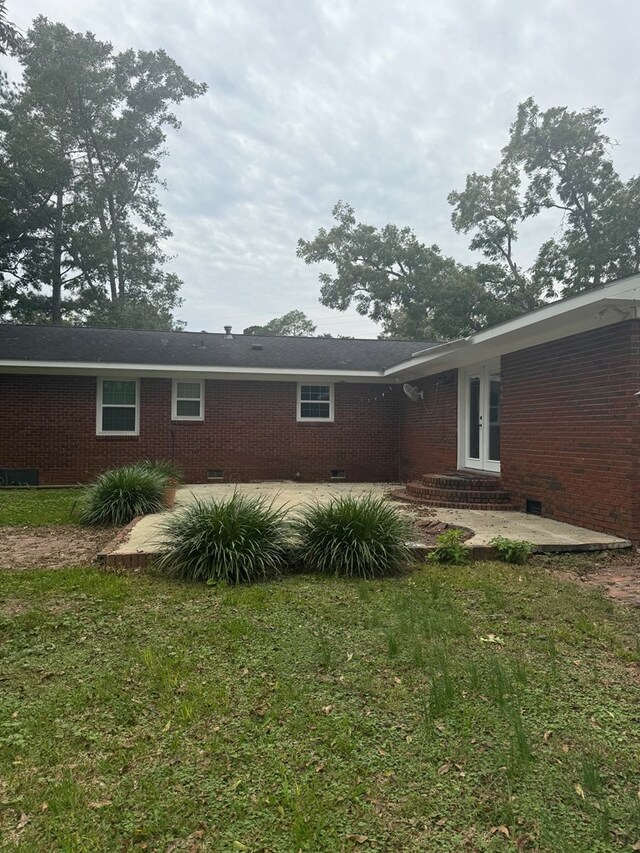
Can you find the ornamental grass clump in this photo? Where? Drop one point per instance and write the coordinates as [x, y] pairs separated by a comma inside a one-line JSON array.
[[242, 538], [164, 467], [359, 537], [118, 496]]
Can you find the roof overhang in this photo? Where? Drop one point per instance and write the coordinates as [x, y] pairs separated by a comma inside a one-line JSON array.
[[594, 309], [603, 306]]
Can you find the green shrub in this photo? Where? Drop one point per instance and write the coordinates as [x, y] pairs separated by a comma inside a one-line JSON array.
[[511, 550], [167, 469], [353, 537], [450, 549], [118, 496], [242, 538]]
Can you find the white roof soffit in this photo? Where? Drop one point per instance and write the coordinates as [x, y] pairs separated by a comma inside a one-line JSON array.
[[604, 306]]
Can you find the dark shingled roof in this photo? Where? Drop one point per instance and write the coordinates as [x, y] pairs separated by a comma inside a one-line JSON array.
[[199, 349]]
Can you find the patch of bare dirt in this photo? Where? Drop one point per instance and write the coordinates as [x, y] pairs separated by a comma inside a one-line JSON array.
[[51, 547], [616, 574]]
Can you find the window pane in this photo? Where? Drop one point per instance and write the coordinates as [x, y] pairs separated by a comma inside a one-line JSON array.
[[119, 392], [118, 419], [188, 408], [314, 410], [315, 392], [188, 390]]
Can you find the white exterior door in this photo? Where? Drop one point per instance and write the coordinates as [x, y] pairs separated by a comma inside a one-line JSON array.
[[479, 418]]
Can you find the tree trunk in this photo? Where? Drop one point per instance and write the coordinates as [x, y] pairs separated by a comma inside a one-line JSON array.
[[117, 239], [56, 262]]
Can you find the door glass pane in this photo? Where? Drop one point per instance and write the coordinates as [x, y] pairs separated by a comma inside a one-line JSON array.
[[474, 417], [494, 418]]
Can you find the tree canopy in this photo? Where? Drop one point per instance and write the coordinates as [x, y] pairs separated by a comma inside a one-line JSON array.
[[553, 159], [293, 323], [81, 141]]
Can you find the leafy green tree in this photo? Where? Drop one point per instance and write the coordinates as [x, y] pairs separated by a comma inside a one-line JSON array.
[[293, 323], [9, 33], [82, 211], [411, 288], [554, 159]]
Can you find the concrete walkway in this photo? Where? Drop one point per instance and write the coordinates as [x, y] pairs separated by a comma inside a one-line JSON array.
[[142, 538]]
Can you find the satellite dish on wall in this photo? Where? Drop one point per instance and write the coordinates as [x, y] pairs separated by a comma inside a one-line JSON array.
[[412, 392]]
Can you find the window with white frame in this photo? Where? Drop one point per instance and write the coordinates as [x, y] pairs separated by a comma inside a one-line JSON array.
[[315, 402], [118, 407], [187, 400]]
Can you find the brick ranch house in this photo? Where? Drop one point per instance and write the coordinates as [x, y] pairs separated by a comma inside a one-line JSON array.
[[545, 403]]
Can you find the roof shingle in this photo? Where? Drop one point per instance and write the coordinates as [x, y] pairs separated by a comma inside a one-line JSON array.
[[199, 349]]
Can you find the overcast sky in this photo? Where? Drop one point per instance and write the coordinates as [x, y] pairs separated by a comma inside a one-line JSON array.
[[386, 104]]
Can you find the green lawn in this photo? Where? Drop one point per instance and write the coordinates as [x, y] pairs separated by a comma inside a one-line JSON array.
[[26, 507], [487, 708]]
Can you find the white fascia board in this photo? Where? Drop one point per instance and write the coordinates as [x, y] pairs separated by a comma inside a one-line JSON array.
[[174, 371]]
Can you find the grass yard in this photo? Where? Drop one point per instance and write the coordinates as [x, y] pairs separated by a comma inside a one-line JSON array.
[[486, 708], [33, 508]]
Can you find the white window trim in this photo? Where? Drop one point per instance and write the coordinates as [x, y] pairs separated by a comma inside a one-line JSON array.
[[99, 406], [174, 401], [328, 420]]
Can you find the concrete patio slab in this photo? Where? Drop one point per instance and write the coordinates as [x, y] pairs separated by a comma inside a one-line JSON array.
[[141, 539]]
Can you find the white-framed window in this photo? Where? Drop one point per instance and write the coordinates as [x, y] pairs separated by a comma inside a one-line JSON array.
[[187, 400], [118, 407], [315, 402]]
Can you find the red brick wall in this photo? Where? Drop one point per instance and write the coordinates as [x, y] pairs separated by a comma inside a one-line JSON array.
[[250, 431], [428, 432], [570, 428]]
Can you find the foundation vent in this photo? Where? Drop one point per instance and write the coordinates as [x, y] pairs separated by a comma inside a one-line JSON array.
[[18, 477], [533, 507], [215, 474], [338, 474]]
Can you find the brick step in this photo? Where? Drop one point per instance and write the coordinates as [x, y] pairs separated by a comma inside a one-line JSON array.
[[462, 482], [419, 490], [401, 495]]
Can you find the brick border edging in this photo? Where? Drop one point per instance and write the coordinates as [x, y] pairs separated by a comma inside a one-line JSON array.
[[109, 558]]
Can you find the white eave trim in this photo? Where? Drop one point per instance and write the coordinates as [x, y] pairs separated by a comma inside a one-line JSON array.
[[172, 370]]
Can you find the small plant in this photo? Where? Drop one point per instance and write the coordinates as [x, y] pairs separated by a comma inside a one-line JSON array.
[[353, 537], [450, 549], [167, 469], [235, 540], [511, 550], [118, 496]]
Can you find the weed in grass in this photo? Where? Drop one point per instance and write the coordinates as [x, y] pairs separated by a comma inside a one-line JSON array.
[[497, 684], [324, 652], [393, 646], [495, 597], [511, 550], [590, 773], [442, 688], [520, 749], [450, 549], [353, 537]]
